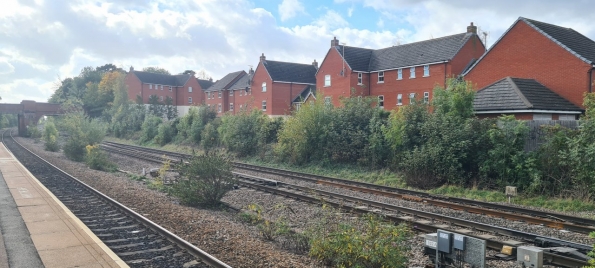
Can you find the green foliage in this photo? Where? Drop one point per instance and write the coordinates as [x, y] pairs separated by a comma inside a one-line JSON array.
[[156, 107], [170, 110], [239, 133], [210, 135], [33, 131], [204, 180], [165, 133], [127, 119], [192, 124], [50, 136], [82, 131], [456, 101], [157, 70], [8, 120], [150, 128], [96, 159], [371, 243]]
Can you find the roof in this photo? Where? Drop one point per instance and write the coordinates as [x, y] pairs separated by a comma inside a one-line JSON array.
[[226, 81], [520, 94], [162, 79], [571, 40], [291, 72], [204, 84], [243, 82], [418, 53], [309, 89]]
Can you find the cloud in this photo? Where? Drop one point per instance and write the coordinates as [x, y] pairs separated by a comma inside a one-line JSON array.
[[331, 20], [5, 67], [290, 8]]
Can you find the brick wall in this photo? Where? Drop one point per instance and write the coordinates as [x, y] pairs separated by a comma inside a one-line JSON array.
[[341, 86], [523, 52], [261, 75], [473, 49]]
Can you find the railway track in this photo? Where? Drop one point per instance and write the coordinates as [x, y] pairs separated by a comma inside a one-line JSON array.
[[135, 239], [391, 212]]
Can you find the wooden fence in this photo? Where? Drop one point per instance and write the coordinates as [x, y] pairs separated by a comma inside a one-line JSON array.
[[536, 134]]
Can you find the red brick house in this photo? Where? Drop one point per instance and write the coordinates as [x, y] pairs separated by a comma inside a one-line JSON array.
[[185, 89], [230, 93], [397, 73], [560, 59], [276, 85]]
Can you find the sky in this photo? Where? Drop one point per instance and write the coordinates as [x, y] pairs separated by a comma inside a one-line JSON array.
[[45, 41]]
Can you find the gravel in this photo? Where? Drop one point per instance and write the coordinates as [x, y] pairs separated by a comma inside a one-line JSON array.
[[223, 235]]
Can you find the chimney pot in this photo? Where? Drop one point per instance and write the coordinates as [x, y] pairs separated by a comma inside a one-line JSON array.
[[472, 29], [251, 71], [263, 58], [131, 69], [315, 63], [334, 42]]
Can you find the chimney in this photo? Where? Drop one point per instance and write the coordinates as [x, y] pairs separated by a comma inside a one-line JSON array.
[[210, 79], [472, 29], [131, 69], [334, 42], [192, 73], [262, 58], [315, 63], [251, 71]]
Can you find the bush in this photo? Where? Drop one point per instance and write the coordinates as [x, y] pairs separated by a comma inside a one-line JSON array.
[[240, 133], [204, 180], [50, 136], [165, 133], [210, 136], [33, 131], [96, 159], [371, 243], [82, 132], [150, 128]]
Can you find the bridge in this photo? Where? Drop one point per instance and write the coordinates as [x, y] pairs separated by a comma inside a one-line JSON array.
[[29, 112]]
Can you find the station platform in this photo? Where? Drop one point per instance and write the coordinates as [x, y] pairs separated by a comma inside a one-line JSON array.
[[37, 230]]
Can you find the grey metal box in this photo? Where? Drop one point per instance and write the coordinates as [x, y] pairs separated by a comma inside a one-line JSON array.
[[459, 241], [530, 256], [444, 241], [432, 240]]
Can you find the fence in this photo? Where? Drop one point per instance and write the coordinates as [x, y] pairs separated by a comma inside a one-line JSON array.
[[536, 134]]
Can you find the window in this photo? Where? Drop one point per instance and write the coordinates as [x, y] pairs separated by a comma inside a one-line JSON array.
[[399, 99], [189, 89], [150, 86], [170, 88], [264, 105], [411, 98], [327, 101], [209, 95], [264, 86], [219, 94], [412, 72], [399, 74], [567, 117], [360, 78], [426, 70], [380, 77], [542, 116], [327, 80], [190, 100], [219, 107], [426, 97], [241, 92], [381, 101], [231, 106], [231, 93], [298, 106], [161, 87]]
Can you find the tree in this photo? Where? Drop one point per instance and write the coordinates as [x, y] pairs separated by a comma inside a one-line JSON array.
[[155, 106], [205, 180], [157, 70], [170, 110], [50, 136]]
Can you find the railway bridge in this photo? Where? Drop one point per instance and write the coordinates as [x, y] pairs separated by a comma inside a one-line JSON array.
[[30, 111]]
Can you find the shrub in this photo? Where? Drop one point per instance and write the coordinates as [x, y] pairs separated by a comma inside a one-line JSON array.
[[96, 159], [33, 131], [204, 180], [50, 136], [165, 133], [371, 243], [239, 133], [210, 136], [150, 128], [82, 132]]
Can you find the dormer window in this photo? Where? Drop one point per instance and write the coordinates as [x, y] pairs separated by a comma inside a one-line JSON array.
[[380, 77]]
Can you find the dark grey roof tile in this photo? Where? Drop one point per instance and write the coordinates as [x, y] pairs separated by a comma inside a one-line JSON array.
[[291, 72], [226, 81], [162, 79], [204, 84]]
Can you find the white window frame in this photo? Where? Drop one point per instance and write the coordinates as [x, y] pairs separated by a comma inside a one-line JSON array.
[[209, 95], [399, 99], [219, 94], [360, 78], [411, 98], [264, 106], [542, 116], [264, 86], [327, 101], [189, 100], [242, 92], [400, 74], [567, 117], [150, 86], [161, 87], [327, 80], [381, 101], [426, 97], [231, 93], [189, 89], [219, 108], [380, 77], [231, 106], [426, 70], [412, 72], [298, 106]]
